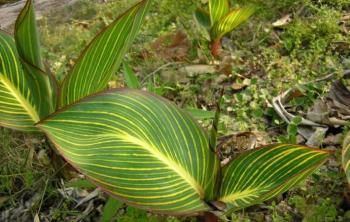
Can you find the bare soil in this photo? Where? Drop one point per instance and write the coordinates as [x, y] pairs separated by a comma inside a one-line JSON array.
[[9, 12]]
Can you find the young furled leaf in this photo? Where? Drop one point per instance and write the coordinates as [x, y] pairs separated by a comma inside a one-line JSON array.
[[218, 9], [263, 173], [222, 21], [26, 36], [138, 147], [27, 43], [231, 21], [102, 57]]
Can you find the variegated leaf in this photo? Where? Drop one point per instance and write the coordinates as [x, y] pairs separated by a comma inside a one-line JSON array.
[[263, 173], [218, 9], [230, 21], [138, 147], [26, 36], [18, 106], [103, 56], [27, 43], [346, 156]]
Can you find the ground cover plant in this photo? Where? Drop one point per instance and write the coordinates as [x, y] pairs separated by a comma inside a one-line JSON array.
[[250, 92]]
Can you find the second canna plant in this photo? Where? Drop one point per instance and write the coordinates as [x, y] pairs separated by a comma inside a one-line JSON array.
[[346, 157], [221, 20], [138, 147]]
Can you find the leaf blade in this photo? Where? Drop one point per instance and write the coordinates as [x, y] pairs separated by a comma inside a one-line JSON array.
[[102, 57], [28, 47], [26, 36], [201, 114], [232, 20], [130, 77], [266, 172], [110, 209], [218, 9], [346, 156], [147, 151], [18, 107], [202, 17]]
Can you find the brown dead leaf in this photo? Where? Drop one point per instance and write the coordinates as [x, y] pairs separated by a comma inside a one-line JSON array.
[[3, 200], [83, 24], [232, 145], [331, 111], [339, 93], [345, 17], [173, 46], [88, 197], [334, 139], [238, 86], [319, 113], [225, 66]]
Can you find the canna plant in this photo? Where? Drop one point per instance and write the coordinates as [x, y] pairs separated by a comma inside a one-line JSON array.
[[136, 146], [220, 20], [346, 156]]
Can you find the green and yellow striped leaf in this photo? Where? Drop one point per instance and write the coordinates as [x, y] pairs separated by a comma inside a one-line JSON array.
[[231, 21], [103, 56], [138, 147], [18, 106], [263, 173], [28, 47], [218, 9], [346, 156], [26, 36]]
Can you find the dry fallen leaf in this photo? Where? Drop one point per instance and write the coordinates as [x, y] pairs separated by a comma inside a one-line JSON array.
[[36, 218], [3, 200], [285, 20]]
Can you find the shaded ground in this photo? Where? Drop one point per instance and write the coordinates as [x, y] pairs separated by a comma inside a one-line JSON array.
[[9, 12]]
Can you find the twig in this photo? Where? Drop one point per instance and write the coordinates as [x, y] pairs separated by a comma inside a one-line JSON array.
[[324, 78], [158, 69], [42, 196], [277, 104]]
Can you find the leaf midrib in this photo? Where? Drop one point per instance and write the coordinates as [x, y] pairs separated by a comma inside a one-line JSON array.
[[240, 195], [170, 163], [21, 100]]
